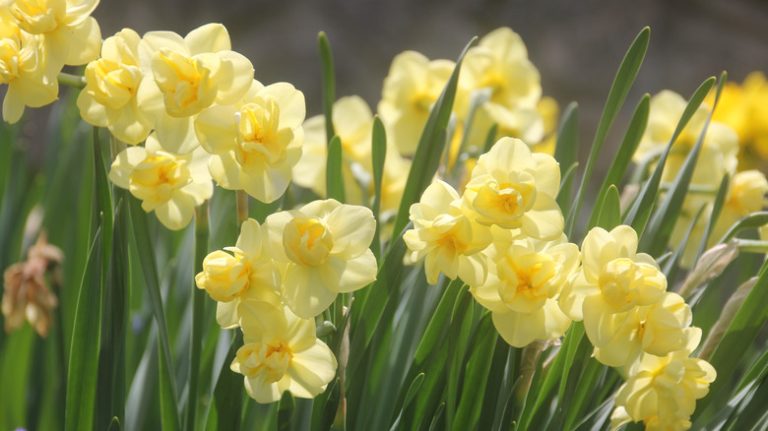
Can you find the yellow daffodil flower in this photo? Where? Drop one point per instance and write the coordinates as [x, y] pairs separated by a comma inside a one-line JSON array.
[[524, 281], [746, 194], [410, 89], [658, 329], [256, 141], [744, 107], [661, 391], [112, 83], [614, 278], [240, 273], [71, 36], [448, 240], [515, 189], [25, 68], [170, 185], [189, 75], [323, 250], [718, 152], [498, 72], [353, 122], [281, 353]]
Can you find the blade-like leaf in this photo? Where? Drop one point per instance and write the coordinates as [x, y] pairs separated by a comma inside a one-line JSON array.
[[145, 252], [624, 154], [431, 145], [84, 352], [334, 181], [378, 155], [656, 235], [734, 345], [643, 206], [329, 83], [567, 153], [622, 83]]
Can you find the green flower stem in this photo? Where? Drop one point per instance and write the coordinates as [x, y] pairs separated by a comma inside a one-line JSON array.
[[752, 246], [242, 206], [70, 80], [198, 309], [528, 363]]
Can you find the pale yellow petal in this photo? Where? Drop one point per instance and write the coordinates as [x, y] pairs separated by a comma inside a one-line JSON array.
[[291, 101], [211, 37], [358, 272], [124, 164], [234, 77], [177, 212], [216, 129], [303, 294], [352, 227]]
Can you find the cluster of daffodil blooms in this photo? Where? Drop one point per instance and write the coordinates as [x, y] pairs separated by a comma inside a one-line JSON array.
[[718, 157], [37, 39], [277, 279], [504, 238], [192, 116]]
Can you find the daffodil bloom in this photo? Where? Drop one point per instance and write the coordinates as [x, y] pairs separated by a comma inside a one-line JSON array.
[[112, 83], [448, 240], [410, 89], [718, 152], [25, 68], [240, 273], [353, 122], [515, 189], [170, 185], [499, 67], [746, 194], [661, 391], [256, 141], [72, 37], [658, 329], [281, 353], [614, 278], [744, 107], [323, 250], [189, 75], [524, 281], [550, 115], [500, 63]]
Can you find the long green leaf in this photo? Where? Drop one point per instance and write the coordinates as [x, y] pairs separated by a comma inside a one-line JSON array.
[[334, 180], [622, 83], [476, 377], [329, 83], [659, 229], [643, 206], [198, 305], [431, 145], [144, 246], [378, 157], [624, 154], [736, 342], [84, 353], [567, 153]]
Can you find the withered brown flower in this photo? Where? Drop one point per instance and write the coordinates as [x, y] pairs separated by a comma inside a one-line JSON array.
[[26, 293]]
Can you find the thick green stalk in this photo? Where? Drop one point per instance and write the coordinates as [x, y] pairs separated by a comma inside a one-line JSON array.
[[198, 309], [70, 80]]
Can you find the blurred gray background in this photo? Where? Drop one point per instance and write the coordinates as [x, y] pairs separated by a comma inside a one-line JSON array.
[[577, 45]]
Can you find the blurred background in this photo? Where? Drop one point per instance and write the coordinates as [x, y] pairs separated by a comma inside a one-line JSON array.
[[577, 45]]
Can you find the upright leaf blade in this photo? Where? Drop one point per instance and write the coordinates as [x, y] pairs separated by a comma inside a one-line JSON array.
[[567, 153], [329, 83], [431, 145], [642, 208], [84, 353], [334, 179], [660, 227], [622, 83], [624, 154]]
